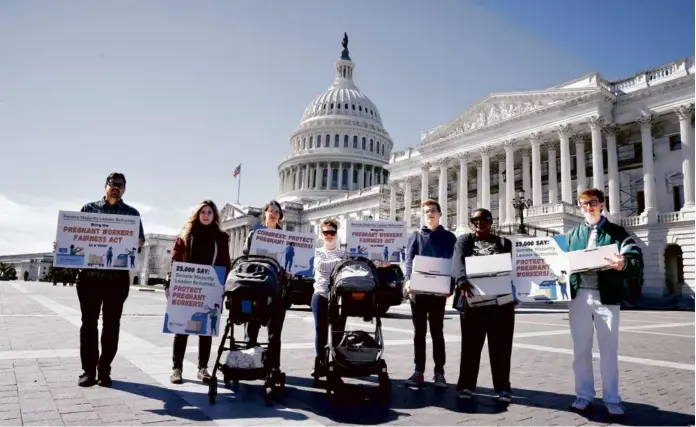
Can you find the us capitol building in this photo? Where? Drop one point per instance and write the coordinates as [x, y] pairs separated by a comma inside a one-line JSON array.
[[633, 138]]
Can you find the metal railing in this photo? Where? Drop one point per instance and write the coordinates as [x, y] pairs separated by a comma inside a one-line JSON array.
[[527, 229]]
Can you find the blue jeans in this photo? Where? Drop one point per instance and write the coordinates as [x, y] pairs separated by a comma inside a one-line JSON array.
[[320, 311]]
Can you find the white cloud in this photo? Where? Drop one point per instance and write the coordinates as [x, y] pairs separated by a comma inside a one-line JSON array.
[[28, 224]]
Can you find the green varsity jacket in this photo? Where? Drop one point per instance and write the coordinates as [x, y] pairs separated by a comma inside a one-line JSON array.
[[610, 281]]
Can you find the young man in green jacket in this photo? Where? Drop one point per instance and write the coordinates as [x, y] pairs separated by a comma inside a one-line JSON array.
[[595, 302]]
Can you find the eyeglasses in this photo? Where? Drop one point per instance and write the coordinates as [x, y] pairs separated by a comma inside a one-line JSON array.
[[117, 184], [591, 203], [429, 211], [328, 232]]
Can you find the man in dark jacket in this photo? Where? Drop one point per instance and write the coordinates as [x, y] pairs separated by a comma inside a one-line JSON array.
[[492, 315], [105, 290], [596, 302], [432, 241]]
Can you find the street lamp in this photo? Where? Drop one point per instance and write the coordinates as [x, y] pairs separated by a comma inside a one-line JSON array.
[[520, 204]]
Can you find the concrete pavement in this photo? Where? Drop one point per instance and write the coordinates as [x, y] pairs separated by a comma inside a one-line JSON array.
[[39, 366]]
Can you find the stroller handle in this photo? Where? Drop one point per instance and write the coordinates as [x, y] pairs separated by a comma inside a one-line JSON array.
[[256, 257]]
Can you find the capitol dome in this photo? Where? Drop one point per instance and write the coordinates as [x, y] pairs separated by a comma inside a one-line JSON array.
[[340, 144]]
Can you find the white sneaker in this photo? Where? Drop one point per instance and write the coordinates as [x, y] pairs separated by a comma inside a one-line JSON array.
[[581, 404], [614, 409]]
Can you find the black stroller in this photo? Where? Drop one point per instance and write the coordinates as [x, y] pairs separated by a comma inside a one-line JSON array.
[[354, 293], [254, 291]]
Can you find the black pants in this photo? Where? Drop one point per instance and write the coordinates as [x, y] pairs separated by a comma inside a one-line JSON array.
[[428, 309], [275, 327], [204, 345], [320, 311], [498, 322], [101, 293]]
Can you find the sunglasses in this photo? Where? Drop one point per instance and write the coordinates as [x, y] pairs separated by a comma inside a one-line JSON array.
[[476, 219], [116, 184], [328, 232]]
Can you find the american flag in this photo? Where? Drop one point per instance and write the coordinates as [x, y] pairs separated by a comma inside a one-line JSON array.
[[237, 170]]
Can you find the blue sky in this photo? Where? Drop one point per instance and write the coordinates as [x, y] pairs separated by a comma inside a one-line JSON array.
[[175, 94]]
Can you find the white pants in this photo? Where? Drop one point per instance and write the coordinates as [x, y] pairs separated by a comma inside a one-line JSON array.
[[587, 313]]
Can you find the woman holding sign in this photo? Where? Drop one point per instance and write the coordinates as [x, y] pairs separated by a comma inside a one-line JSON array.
[[201, 242]]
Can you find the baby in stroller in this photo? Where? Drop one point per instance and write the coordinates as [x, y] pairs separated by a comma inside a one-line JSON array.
[[255, 291], [354, 293]]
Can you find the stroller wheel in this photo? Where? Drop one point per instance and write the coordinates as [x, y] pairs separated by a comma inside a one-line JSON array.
[[384, 387], [212, 392]]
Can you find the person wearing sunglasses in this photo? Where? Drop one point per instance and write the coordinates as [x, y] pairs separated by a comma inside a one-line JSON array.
[[105, 292], [492, 315], [595, 302], [326, 259], [433, 240]]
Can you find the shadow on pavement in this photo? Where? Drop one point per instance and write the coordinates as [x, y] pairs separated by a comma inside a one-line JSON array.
[[246, 403]]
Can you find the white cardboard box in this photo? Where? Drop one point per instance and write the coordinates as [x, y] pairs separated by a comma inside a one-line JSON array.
[[590, 259], [432, 265], [497, 285], [430, 284], [488, 266]]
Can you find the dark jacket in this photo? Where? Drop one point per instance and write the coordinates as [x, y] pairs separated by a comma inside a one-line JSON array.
[[183, 252], [247, 243], [438, 243], [118, 208], [611, 282], [465, 248]]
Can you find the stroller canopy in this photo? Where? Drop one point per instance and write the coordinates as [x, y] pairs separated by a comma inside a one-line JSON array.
[[356, 274], [254, 274]]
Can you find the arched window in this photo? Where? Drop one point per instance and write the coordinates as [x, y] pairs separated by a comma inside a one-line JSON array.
[[304, 143], [327, 141], [324, 177], [355, 141], [344, 179], [336, 140], [355, 176], [318, 141], [332, 105], [372, 145], [334, 178], [364, 143], [345, 141], [353, 107], [310, 141], [359, 107], [346, 106]]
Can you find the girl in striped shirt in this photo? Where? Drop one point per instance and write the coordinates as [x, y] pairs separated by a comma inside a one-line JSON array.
[[326, 259]]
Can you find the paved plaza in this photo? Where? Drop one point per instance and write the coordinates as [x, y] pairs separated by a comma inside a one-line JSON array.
[[40, 364]]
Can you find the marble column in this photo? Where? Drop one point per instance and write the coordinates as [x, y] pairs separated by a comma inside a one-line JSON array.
[[408, 201], [566, 182], [650, 213], [463, 194], [442, 190], [553, 174], [329, 179], [340, 175], [534, 138], [581, 179], [296, 180], [596, 123], [684, 113], [526, 185], [361, 176], [425, 171], [392, 200], [351, 184], [613, 167], [485, 177], [502, 194], [479, 179], [510, 179]]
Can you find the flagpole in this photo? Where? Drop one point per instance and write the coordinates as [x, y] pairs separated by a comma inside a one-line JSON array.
[[239, 183]]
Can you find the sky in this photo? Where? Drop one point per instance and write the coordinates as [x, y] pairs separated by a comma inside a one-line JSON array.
[[175, 94]]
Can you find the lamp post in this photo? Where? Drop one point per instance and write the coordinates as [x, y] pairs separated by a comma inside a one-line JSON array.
[[520, 204]]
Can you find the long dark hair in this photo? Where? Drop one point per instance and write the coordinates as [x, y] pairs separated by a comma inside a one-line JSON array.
[[194, 224]]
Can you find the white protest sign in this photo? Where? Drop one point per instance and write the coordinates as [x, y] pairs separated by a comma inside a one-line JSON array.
[[540, 268], [293, 251], [377, 240], [96, 240], [195, 299]]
